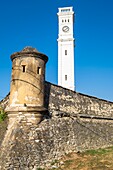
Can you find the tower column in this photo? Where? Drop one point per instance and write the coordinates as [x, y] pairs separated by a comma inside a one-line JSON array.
[[27, 86], [66, 48]]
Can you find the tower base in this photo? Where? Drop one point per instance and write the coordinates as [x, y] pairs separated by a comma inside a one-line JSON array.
[[26, 115]]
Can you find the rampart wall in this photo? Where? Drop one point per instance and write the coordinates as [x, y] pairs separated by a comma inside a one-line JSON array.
[[61, 100], [75, 122]]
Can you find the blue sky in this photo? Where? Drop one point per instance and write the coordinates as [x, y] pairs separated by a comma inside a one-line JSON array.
[[34, 23]]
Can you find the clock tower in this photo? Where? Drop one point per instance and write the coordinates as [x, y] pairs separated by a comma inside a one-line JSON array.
[[66, 48]]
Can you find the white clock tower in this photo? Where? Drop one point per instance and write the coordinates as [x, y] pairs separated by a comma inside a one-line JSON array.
[[66, 48]]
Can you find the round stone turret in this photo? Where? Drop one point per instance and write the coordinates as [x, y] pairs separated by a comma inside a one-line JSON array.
[[27, 83]]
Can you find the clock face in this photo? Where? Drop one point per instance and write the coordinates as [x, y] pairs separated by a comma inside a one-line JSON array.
[[65, 29]]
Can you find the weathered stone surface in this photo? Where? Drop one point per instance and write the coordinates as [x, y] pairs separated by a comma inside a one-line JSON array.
[[61, 101], [3, 128], [28, 77], [31, 146], [5, 102]]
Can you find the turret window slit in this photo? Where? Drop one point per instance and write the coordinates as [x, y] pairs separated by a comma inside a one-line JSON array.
[[38, 70], [24, 68]]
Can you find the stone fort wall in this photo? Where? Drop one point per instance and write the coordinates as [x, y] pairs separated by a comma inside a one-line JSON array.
[[75, 122], [59, 100]]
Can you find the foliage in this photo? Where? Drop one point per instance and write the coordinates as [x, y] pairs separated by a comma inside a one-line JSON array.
[[2, 114]]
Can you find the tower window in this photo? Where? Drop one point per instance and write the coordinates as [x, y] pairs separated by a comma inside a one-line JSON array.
[[62, 20], [38, 70], [24, 68], [68, 20], [65, 77], [65, 52], [65, 20]]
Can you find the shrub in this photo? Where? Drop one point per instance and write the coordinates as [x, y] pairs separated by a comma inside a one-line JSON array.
[[2, 114]]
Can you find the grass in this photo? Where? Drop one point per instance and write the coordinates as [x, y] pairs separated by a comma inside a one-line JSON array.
[[99, 151], [100, 159]]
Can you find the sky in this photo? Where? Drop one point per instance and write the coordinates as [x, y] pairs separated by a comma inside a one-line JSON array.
[[35, 23]]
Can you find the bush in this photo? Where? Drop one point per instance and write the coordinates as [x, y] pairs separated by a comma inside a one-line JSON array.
[[2, 114]]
